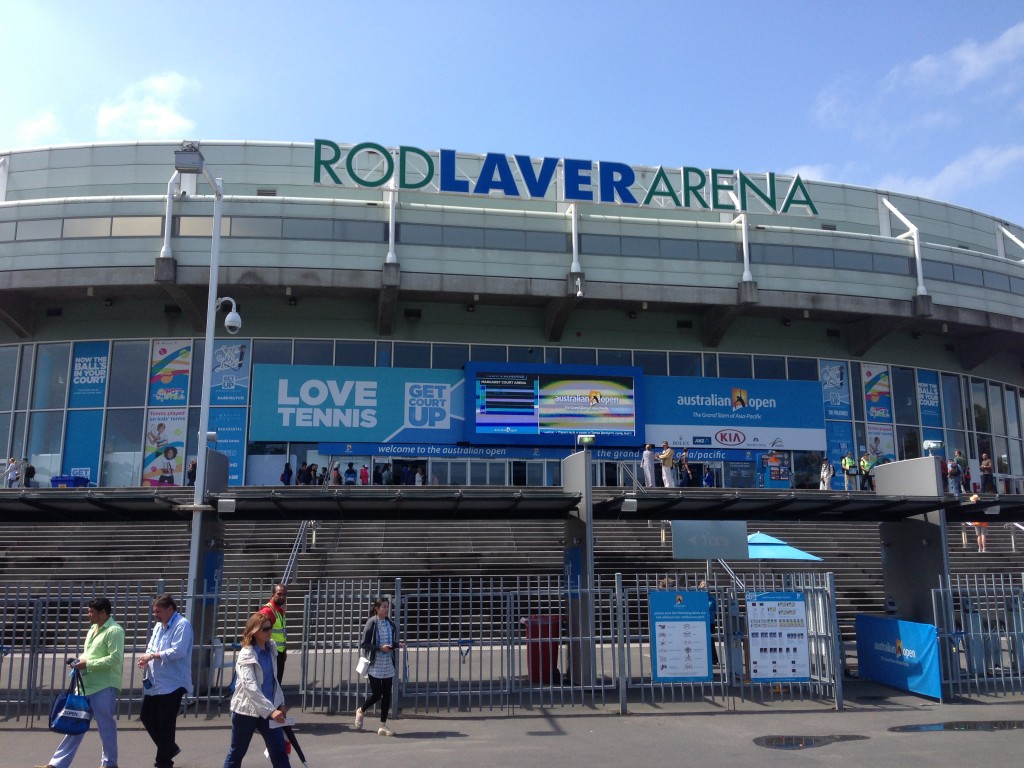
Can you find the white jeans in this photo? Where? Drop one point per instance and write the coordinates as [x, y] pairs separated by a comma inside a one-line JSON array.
[[103, 704]]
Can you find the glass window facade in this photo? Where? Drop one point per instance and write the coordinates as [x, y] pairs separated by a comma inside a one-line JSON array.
[[35, 416]]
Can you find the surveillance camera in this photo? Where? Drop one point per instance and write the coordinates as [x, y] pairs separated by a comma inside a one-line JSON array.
[[233, 323]]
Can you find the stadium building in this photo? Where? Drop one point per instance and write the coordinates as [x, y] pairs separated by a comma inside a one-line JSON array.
[[466, 317]]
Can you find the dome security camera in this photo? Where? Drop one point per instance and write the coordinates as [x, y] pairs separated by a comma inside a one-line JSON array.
[[233, 322]]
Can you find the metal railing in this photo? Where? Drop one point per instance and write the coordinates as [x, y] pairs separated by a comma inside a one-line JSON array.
[[979, 619], [471, 643]]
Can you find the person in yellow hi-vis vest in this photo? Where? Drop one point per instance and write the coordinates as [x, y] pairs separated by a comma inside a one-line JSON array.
[[274, 610], [849, 471], [867, 481]]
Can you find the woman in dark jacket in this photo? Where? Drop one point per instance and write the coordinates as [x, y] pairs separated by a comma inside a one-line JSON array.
[[380, 645]]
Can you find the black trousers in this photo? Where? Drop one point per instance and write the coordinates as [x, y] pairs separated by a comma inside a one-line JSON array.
[[282, 657], [160, 716], [380, 690]]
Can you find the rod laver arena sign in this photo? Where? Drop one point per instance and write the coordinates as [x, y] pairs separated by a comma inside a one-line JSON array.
[[520, 176]]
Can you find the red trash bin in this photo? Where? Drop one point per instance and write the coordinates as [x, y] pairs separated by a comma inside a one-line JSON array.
[[542, 632]]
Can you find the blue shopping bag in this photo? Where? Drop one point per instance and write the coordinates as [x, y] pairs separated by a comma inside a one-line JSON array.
[[71, 713]]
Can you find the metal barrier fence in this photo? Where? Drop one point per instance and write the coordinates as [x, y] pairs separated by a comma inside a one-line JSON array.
[[979, 620], [501, 643], [469, 643]]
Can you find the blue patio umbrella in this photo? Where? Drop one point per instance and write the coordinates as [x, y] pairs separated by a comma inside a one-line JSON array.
[[761, 546]]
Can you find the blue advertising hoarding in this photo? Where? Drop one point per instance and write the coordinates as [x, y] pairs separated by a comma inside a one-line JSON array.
[[903, 654], [835, 388], [89, 367], [329, 404], [756, 414], [680, 636]]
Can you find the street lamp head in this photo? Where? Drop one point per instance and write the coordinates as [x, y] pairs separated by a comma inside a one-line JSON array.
[[188, 159]]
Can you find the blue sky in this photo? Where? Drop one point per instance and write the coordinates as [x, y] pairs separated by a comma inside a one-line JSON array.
[[924, 98]]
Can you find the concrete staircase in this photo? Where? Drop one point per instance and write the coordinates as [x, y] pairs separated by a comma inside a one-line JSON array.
[[33, 555]]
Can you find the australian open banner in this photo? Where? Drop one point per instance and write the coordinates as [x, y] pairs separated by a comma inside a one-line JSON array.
[[903, 654], [759, 414]]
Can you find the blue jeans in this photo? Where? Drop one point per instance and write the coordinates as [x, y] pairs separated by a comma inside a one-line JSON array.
[[103, 704], [242, 729]]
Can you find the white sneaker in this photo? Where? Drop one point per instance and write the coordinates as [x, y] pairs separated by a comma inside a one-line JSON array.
[[359, 720], [385, 731]]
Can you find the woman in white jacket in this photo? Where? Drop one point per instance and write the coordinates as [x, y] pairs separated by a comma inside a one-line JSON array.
[[258, 698]]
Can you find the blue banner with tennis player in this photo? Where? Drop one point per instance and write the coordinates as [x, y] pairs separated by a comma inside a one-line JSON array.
[[329, 404]]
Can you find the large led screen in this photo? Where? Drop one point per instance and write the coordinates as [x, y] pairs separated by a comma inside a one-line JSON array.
[[551, 404]]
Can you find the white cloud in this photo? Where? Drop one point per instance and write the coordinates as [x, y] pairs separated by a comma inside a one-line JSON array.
[[147, 110], [809, 172], [964, 65], [36, 130], [984, 165]]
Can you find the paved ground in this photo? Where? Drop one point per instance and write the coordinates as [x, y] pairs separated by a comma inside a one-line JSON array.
[[693, 734]]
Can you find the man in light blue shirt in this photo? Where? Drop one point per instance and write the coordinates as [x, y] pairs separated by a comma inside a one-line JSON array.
[[167, 677]]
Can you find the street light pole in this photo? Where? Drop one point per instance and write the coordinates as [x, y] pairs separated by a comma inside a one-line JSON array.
[[212, 304], [190, 160]]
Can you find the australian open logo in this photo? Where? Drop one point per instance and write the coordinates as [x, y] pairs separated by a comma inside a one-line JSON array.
[[428, 405]]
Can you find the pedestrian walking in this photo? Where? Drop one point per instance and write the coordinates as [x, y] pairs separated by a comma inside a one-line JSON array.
[[380, 645], [258, 698], [166, 677], [100, 665]]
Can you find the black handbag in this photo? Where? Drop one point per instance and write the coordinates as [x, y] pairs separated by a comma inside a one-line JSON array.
[[71, 713]]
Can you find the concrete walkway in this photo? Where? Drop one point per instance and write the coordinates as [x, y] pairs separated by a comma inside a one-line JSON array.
[[692, 734]]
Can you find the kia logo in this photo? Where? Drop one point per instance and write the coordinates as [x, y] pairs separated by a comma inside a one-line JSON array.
[[730, 437]]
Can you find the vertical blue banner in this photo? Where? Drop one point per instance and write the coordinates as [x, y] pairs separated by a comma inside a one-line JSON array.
[[835, 388], [928, 398], [229, 424], [82, 444], [229, 379], [89, 365], [170, 364], [877, 393], [840, 440]]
